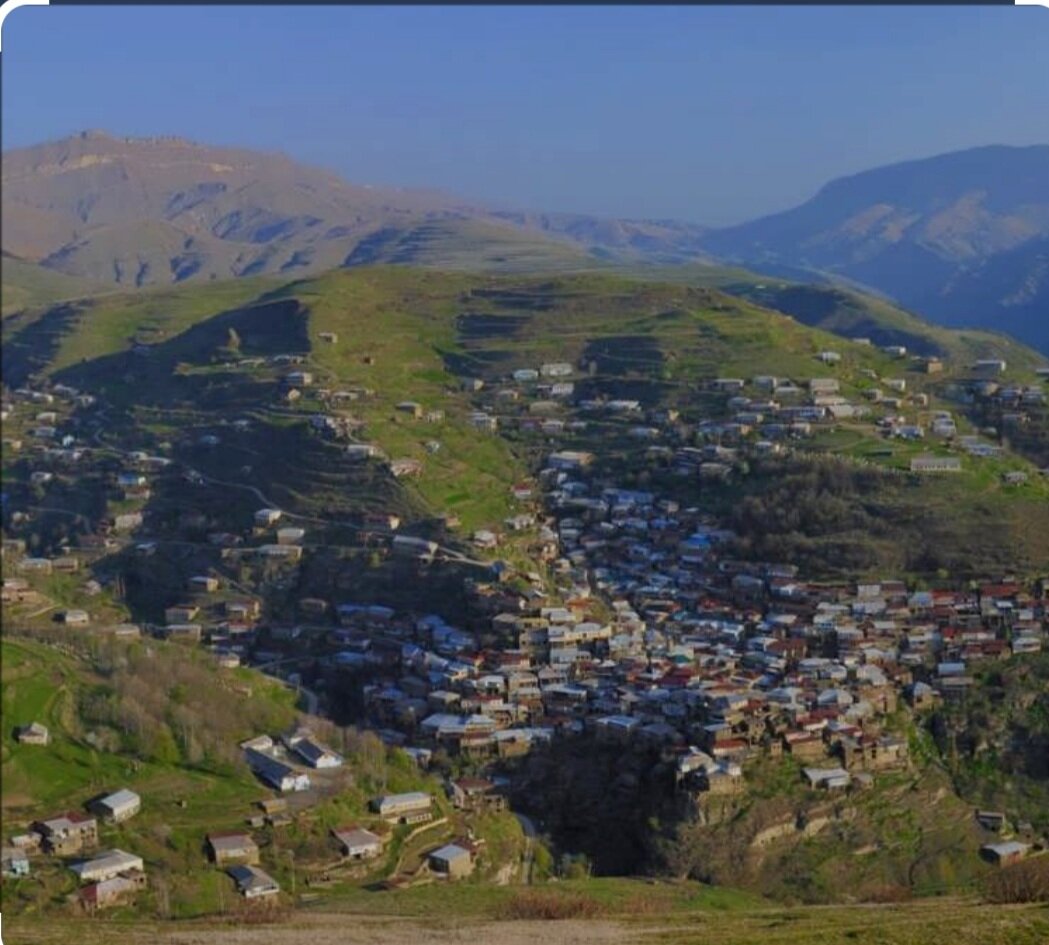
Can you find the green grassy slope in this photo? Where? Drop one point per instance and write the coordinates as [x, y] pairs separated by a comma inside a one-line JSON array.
[[850, 313], [471, 245], [182, 798], [412, 334], [172, 737], [26, 285], [50, 684]]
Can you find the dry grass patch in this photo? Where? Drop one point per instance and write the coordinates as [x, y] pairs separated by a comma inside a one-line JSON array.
[[1027, 881], [544, 906]]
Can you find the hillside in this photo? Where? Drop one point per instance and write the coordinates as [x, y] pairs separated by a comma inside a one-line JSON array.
[[844, 310], [68, 692], [997, 742], [27, 285], [240, 466], [469, 245], [131, 729], [121, 715], [959, 237], [621, 241], [117, 719], [410, 335], [1014, 283], [619, 806]]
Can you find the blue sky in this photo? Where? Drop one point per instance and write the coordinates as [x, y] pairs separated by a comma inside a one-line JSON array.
[[707, 114]]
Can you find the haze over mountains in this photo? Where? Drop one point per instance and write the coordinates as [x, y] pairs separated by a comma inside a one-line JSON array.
[[962, 238], [150, 211], [142, 211]]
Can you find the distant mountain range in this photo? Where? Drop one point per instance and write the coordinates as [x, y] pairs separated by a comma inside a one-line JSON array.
[[157, 210], [147, 211], [962, 238]]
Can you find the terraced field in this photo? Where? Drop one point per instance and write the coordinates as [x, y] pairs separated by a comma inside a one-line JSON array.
[[180, 365]]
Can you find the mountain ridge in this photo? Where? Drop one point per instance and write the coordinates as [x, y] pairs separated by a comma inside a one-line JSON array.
[[949, 236], [961, 238]]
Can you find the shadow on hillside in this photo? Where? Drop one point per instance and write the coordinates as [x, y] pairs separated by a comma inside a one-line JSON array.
[[31, 348], [149, 374]]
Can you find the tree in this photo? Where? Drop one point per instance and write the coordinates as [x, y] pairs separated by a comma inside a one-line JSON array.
[[542, 861]]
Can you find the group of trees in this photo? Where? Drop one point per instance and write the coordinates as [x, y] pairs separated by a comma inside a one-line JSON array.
[[996, 741], [823, 515], [169, 705]]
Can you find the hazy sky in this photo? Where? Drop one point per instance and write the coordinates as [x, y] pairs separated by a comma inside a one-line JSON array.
[[708, 114]]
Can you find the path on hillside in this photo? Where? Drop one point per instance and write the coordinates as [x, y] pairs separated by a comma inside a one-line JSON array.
[[528, 826]]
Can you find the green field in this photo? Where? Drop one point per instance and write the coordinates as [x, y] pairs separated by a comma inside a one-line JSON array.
[[851, 314], [46, 683]]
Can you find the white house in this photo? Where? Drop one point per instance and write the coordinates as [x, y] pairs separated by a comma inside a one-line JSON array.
[[117, 806], [106, 865], [315, 754], [264, 518], [358, 843], [253, 882]]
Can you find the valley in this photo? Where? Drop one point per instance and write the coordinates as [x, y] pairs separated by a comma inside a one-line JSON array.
[[527, 473], [693, 589]]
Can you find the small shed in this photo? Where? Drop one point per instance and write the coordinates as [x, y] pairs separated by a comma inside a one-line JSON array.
[[452, 861], [357, 843], [232, 848], [1004, 854], [118, 806]]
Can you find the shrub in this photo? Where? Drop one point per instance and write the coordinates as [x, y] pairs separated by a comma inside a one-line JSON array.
[[887, 892], [550, 906], [1027, 881]]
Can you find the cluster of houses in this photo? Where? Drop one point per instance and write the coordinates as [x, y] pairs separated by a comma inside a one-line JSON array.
[[761, 414], [283, 764], [112, 877], [239, 855], [764, 414], [656, 637], [108, 877]]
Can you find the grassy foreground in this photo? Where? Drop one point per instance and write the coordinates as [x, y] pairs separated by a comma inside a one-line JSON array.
[[624, 911]]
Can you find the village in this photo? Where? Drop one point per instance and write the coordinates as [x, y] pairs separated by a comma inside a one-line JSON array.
[[631, 623]]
